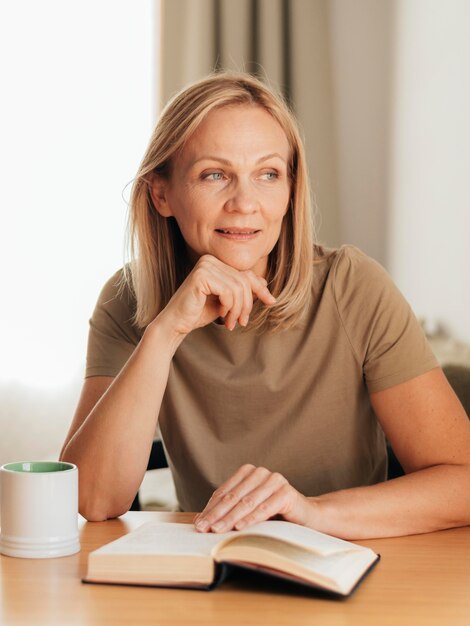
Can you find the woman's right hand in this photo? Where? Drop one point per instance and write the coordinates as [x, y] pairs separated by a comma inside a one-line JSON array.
[[214, 289]]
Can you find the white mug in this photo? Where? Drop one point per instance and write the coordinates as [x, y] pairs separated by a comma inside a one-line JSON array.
[[39, 509]]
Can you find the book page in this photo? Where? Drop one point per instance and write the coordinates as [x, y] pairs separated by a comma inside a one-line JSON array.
[[297, 535], [165, 538], [338, 572]]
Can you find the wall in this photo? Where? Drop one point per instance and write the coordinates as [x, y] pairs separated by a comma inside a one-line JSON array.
[[401, 73], [361, 45], [429, 217]]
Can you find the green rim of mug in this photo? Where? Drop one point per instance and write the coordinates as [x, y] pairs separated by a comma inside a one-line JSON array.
[[38, 467]]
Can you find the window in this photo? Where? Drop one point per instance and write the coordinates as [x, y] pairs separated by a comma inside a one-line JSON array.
[[78, 108]]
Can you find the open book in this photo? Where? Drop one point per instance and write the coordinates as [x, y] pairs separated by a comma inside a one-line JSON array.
[[176, 555]]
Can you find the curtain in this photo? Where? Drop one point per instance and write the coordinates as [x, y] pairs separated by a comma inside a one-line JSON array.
[[284, 42]]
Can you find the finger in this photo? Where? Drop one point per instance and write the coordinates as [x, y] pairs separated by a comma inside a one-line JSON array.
[[250, 502], [258, 284], [259, 287], [234, 313], [239, 496], [247, 301], [226, 300], [225, 488], [214, 285], [231, 483], [276, 503], [225, 501]]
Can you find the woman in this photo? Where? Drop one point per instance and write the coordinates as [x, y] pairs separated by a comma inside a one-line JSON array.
[[272, 365]]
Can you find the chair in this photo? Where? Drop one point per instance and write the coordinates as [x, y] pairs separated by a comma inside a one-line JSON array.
[[459, 379], [157, 460]]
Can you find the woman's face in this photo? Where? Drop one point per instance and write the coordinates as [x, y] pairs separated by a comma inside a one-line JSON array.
[[229, 188]]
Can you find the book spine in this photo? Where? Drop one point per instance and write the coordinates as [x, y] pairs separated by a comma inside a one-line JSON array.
[[222, 572]]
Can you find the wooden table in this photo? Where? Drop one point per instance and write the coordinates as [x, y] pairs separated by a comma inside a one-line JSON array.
[[423, 579]]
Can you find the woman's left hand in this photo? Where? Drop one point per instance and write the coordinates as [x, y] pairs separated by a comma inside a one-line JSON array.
[[252, 495]]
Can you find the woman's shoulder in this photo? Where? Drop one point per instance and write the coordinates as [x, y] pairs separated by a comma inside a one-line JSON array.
[[118, 289], [350, 278], [345, 253], [116, 304], [346, 263]]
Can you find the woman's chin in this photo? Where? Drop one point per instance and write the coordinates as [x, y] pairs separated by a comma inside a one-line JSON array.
[[243, 264]]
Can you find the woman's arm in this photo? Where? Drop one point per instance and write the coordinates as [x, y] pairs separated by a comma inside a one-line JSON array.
[[115, 422], [111, 436], [430, 434]]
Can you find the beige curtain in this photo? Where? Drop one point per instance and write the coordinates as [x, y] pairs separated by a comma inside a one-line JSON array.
[[284, 42]]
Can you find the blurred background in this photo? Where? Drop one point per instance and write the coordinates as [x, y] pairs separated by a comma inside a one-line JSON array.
[[381, 89]]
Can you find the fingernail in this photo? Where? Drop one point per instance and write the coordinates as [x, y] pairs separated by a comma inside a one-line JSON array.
[[244, 320], [218, 526], [239, 525], [202, 524]]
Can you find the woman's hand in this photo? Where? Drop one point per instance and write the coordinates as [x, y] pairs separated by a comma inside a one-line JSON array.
[[214, 289], [252, 495]]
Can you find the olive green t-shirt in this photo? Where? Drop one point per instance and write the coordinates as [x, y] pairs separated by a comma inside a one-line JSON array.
[[294, 401]]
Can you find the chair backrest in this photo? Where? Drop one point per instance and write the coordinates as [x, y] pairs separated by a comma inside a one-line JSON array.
[[157, 460], [459, 379]]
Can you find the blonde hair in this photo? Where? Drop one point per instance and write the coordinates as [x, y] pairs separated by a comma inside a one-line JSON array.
[[159, 261]]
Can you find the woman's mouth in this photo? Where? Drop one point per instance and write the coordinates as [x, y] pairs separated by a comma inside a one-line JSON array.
[[238, 234]]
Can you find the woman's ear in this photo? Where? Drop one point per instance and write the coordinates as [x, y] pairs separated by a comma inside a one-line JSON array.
[[157, 188]]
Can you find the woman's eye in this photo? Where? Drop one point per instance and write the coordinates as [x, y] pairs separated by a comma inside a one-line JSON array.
[[273, 175], [213, 176]]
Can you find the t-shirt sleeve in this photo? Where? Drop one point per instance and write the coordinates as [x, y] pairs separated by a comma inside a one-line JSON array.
[[112, 337], [383, 331]]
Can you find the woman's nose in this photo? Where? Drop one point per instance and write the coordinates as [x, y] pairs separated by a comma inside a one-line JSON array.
[[242, 199]]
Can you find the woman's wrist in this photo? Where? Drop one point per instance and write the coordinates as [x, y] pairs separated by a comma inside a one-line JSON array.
[[314, 514], [164, 335]]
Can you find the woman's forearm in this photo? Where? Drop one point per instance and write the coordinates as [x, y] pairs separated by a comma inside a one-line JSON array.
[[112, 446], [427, 500]]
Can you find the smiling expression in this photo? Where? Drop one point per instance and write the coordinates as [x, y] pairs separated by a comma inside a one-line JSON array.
[[229, 187]]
